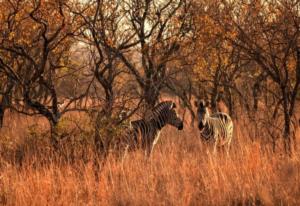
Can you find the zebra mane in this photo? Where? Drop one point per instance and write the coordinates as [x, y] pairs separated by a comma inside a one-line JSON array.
[[158, 108]]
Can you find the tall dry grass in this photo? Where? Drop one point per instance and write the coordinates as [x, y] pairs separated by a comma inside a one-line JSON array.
[[181, 171]]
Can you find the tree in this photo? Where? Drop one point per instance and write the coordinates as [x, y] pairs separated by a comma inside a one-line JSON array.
[[6, 93], [101, 34], [149, 35], [161, 28], [219, 66], [268, 34], [34, 53]]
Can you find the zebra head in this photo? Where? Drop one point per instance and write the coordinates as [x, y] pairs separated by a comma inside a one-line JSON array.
[[165, 113], [202, 113], [173, 119]]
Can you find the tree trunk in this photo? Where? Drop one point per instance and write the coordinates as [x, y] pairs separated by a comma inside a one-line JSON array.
[[3, 106], [287, 134], [102, 139], [255, 97], [215, 93], [151, 95], [54, 134], [287, 123], [213, 99], [99, 140], [2, 110], [5, 101], [230, 103], [109, 99]]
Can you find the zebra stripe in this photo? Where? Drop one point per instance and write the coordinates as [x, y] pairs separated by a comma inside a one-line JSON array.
[[144, 133], [216, 128]]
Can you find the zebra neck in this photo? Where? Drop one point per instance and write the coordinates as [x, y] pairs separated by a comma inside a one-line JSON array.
[[207, 130], [157, 124]]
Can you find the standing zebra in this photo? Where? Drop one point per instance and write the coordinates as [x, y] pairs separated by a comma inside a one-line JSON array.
[[216, 128], [144, 133]]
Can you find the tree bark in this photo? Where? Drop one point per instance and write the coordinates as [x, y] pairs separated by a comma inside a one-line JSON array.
[[105, 113], [151, 95], [54, 135], [213, 99], [287, 123], [215, 92], [2, 110], [98, 139], [5, 101]]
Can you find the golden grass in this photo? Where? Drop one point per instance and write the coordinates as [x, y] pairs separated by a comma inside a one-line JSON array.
[[181, 171]]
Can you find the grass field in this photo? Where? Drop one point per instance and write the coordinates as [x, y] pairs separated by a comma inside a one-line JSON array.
[[181, 171]]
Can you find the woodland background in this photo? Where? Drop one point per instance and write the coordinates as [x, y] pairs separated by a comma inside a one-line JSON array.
[[73, 72]]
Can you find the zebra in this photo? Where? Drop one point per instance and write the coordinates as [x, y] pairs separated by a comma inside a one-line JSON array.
[[144, 133], [216, 128]]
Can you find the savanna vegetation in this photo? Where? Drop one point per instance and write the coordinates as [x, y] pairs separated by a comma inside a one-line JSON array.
[[74, 73]]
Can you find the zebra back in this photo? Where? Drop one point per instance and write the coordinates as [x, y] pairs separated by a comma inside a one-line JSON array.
[[144, 133]]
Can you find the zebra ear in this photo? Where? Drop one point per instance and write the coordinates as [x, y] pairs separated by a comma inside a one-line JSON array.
[[123, 114], [202, 104], [207, 104], [173, 105], [196, 103]]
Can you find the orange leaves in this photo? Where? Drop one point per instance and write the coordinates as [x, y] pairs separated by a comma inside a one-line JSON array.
[[11, 36], [110, 42], [25, 22]]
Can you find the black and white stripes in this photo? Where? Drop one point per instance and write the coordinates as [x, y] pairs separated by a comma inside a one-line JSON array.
[[144, 133], [216, 128]]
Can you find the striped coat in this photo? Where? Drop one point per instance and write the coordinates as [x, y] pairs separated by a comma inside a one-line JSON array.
[[216, 128], [144, 133]]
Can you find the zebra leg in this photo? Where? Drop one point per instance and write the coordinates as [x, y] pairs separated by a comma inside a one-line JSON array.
[[148, 151], [125, 153], [215, 147], [228, 146], [215, 143], [152, 148]]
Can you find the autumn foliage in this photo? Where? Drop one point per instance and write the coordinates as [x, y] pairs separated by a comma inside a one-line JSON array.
[[74, 73]]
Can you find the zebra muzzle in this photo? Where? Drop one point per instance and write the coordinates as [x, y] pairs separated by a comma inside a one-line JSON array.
[[180, 127], [200, 125]]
